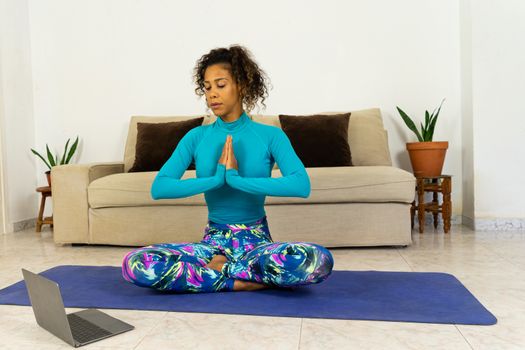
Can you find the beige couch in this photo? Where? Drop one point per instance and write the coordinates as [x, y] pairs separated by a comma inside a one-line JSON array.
[[363, 205]]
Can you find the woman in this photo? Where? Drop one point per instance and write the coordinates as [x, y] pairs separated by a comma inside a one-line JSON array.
[[233, 158]]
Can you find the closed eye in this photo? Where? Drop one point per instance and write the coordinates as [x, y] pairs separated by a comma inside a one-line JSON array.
[[219, 86]]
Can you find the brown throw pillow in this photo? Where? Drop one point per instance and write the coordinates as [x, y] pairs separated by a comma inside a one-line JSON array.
[[157, 141], [319, 140]]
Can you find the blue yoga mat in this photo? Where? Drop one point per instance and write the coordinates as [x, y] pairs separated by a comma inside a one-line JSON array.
[[428, 297]]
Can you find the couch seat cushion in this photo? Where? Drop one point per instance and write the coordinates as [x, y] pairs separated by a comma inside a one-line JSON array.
[[133, 189], [355, 184], [329, 185]]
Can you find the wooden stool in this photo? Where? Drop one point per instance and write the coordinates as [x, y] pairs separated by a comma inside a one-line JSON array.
[[438, 184], [46, 192]]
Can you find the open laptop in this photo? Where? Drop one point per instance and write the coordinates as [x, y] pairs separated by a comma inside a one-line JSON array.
[[77, 328]]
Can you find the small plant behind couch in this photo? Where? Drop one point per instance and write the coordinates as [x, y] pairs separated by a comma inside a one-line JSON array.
[[54, 161], [427, 130], [426, 156]]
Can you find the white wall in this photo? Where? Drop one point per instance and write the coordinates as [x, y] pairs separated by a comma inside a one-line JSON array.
[[3, 208], [467, 130], [498, 56], [16, 113], [96, 63]]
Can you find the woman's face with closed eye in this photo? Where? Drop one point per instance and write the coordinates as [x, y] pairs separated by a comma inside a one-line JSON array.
[[222, 93]]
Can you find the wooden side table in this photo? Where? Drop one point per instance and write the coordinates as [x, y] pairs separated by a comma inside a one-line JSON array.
[[46, 192], [438, 184]]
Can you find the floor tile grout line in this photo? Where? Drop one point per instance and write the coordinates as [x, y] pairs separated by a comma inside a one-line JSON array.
[[300, 334], [459, 330], [405, 260], [147, 333]]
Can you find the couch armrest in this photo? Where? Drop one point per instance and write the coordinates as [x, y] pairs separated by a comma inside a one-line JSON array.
[[70, 202]]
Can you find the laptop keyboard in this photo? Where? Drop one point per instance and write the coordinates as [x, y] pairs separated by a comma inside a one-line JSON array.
[[83, 330]]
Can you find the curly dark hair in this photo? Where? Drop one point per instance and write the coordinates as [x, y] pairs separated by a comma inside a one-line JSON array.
[[251, 79]]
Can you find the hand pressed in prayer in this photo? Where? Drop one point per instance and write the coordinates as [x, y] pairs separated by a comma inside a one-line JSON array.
[[224, 154], [231, 161]]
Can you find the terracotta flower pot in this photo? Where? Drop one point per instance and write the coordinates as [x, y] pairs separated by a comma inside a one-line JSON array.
[[427, 158], [48, 175]]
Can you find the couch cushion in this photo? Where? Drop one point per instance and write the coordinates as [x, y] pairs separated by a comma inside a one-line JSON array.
[[329, 185], [131, 140], [132, 189], [319, 140], [368, 184], [157, 141], [366, 135]]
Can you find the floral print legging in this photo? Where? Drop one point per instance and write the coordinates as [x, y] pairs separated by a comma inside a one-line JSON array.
[[251, 254]]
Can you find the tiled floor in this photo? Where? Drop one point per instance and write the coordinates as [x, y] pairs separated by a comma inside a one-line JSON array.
[[489, 264]]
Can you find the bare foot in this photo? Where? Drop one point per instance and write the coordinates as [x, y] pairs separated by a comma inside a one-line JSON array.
[[216, 262], [247, 285]]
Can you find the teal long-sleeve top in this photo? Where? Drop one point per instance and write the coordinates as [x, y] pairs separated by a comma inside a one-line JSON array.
[[233, 196]]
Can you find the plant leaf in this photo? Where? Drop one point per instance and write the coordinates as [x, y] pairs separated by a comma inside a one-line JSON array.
[[72, 151], [434, 120], [432, 126], [427, 119], [438, 109], [50, 156], [38, 154], [64, 155], [409, 123], [425, 133]]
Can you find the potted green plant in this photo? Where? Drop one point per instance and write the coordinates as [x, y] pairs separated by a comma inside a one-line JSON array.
[[54, 161], [426, 156]]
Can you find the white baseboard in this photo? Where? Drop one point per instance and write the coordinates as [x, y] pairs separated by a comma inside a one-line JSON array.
[[495, 224], [500, 224], [468, 222], [24, 224], [429, 219]]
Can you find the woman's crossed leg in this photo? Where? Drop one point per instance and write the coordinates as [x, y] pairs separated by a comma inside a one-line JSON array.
[[282, 264], [175, 267]]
